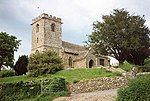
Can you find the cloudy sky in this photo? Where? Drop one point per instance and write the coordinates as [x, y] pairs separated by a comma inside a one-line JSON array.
[[77, 16]]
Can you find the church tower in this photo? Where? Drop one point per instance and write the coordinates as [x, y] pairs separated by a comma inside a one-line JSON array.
[[46, 34]]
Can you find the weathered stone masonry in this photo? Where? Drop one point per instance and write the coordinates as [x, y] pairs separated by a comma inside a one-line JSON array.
[[47, 35], [98, 84]]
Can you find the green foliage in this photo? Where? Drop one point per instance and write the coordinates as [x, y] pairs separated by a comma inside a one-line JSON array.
[[21, 65], [136, 90], [143, 68], [121, 35], [19, 90], [146, 67], [51, 88], [47, 62], [147, 62], [6, 73], [8, 44], [126, 66], [53, 85]]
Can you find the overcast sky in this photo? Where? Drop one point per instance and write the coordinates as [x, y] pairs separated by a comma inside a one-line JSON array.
[[77, 16]]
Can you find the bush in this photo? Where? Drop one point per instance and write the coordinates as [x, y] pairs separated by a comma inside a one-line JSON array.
[[21, 65], [53, 85], [136, 90], [30, 90], [126, 66], [147, 62], [47, 62], [6, 73], [19, 90], [143, 68]]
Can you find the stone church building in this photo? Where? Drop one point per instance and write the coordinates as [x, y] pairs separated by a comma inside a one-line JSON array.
[[47, 35]]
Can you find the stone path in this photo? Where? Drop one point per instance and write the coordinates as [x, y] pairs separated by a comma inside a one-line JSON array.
[[106, 95]]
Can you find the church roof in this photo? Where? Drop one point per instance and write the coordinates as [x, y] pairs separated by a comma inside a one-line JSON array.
[[82, 55], [72, 48]]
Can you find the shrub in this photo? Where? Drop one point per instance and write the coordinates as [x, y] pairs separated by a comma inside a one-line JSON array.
[[26, 90], [6, 73], [19, 90], [47, 62], [126, 66], [21, 65], [136, 90], [53, 85], [147, 62], [143, 68]]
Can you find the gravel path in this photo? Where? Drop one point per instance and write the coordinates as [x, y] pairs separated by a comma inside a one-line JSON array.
[[106, 95]]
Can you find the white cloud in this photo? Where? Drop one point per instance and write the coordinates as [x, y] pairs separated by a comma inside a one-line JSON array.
[[77, 16]]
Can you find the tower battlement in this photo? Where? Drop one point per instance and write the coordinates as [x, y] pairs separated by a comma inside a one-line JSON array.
[[46, 16]]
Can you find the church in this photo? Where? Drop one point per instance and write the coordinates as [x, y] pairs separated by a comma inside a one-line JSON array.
[[47, 35]]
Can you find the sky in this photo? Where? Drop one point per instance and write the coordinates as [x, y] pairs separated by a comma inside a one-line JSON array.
[[77, 17]]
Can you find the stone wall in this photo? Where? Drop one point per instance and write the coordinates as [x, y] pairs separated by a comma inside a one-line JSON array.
[[80, 64], [43, 37], [98, 84]]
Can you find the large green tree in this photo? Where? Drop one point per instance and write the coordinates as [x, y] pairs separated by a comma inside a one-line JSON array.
[[121, 35], [21, 65], [47, 62], [8, 44]]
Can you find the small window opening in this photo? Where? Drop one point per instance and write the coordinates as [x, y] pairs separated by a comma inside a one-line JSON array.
[[53, 27], [37, 28], [70, 62], [37, 40]]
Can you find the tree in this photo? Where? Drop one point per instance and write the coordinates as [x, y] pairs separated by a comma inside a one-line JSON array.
[[47, 62], [8, 44], [21, 65], [121, 35]]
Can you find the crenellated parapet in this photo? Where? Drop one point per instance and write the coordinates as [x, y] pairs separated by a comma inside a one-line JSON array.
[[46, 16]]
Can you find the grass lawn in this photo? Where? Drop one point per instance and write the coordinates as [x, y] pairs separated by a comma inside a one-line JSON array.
[[69, 74], [126, 66]]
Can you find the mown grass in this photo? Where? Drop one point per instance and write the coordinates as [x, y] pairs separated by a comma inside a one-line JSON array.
[[85, 73], [126, 66], [69, 74]]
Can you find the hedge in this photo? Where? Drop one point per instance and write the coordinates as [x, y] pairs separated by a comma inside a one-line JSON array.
[[19, 90], [53, 85], [137, 90], [31, 89], [6, 73]]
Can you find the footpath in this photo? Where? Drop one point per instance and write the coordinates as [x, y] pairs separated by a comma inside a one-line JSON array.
[[106, 95]]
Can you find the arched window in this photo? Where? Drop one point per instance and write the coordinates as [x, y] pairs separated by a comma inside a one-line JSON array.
[[36, 52], [70, 62], [37, 28], [53, 27]]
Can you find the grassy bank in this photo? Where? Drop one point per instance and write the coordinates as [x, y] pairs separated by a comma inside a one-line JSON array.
[[69, 74]]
